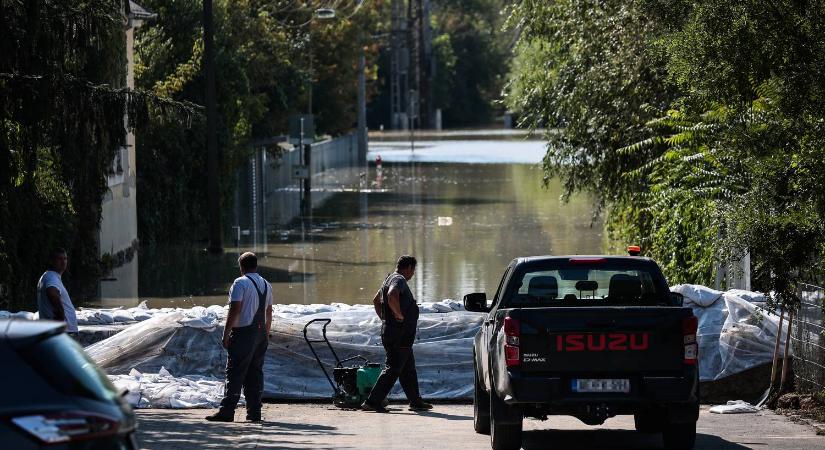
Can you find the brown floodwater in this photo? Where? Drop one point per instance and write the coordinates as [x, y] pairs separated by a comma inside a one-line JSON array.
[[463, 222]]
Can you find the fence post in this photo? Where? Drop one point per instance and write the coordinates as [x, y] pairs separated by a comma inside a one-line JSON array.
[[785, 363], [776, 346]]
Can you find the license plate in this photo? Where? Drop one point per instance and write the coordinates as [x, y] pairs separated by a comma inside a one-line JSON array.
[[601, 385]]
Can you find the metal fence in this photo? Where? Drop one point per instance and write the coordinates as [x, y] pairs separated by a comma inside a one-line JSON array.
[[267, 195], [808, 340]]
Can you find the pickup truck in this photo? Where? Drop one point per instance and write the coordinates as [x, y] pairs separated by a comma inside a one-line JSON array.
[[585, 336]]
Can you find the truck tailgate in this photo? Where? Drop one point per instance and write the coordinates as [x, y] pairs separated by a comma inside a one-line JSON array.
[[617, 340]]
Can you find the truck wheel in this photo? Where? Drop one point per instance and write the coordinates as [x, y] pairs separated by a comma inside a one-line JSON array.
[[648, 423], [679, 436], [481, 406], [504, 436]]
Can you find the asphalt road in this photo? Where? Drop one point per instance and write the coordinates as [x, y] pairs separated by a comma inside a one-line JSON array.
[[291, 426]]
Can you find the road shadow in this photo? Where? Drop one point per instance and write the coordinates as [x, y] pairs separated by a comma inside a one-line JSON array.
[[444, 416], [272, 424], [613, 439], [161, 430]]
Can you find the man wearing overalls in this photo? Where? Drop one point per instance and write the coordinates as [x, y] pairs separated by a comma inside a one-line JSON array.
[[245, 338], [395, 304]]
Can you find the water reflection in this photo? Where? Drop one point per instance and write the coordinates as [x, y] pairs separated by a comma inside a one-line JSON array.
[[464, 223], [120, 287]]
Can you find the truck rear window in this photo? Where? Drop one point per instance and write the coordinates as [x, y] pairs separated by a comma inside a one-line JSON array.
[[586, 286]]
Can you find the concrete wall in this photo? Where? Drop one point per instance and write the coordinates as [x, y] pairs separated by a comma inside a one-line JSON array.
[[118, 225], [267, 197]]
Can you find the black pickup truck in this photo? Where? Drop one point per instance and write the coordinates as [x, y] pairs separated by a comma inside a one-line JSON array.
[[585, 336]]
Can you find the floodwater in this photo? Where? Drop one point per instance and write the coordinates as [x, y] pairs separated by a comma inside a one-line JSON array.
[[463, 220]]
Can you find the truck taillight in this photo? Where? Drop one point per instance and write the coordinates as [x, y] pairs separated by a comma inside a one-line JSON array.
[[512, 333], [67, 427], [689, 327]]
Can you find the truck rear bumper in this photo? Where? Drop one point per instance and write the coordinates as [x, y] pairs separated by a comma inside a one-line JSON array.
[[647, 392]]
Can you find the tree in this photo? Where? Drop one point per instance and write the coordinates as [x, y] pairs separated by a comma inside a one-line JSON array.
[[264, 52], [62, 101], [758, 66], [471, 55], [582, 70], [697, 123]]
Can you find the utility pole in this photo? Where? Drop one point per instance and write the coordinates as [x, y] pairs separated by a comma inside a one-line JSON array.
[[399, 64], [420, 73], [306, 198], [425, 63], [213, 193], [413, 16], [362, 109]]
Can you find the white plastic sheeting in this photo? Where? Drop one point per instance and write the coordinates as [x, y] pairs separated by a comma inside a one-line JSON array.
[[94, 316], [443, 353], [18, 315], [163, 390], [734, 407], [188, 343], [734, 334]]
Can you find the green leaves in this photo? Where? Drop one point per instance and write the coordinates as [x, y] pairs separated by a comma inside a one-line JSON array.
[[697, 123]]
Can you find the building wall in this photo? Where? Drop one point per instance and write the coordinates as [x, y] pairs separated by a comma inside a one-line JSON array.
[[118, 225]]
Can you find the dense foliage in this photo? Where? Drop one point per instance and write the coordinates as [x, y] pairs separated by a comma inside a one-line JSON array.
[[61, 120], [697, 123], [266, 54], [471, 55]]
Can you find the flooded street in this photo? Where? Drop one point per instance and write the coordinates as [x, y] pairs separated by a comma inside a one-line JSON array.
[[464, 221]]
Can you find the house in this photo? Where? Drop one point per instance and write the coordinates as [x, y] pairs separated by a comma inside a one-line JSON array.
[[118, 238]]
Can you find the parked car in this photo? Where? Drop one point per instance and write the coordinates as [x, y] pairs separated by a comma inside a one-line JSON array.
[[590, 337], [53, 396]]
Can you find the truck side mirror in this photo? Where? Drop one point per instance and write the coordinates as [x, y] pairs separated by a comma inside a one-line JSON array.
[[677, 299], [476, 302]]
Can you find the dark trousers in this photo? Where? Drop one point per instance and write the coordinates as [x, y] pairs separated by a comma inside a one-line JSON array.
[[400, 365], [245, 369]]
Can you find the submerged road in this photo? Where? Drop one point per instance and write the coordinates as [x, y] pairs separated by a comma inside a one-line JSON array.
[[447, 427]]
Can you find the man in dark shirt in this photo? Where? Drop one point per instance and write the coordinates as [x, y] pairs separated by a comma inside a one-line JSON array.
[[395, 304]]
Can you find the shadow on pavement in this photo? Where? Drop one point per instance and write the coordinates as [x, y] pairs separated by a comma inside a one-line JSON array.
[[612, 439], [179, 431], [267, 424], [439, 415]]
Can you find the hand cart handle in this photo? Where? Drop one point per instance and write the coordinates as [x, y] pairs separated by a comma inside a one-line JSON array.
[[325, 341]]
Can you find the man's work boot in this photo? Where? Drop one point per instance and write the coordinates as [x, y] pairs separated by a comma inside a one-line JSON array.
[[420, 405], [253, 417], [367, 406], [221, 416]]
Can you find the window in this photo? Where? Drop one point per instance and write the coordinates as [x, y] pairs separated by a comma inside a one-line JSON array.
[[500, 286], [587, 286], [119, 167]]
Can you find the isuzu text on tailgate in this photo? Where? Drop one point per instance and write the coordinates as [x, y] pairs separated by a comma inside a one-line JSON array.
[[586, 336]]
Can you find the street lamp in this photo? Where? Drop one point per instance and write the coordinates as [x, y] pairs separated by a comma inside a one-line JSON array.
[[328, 14]]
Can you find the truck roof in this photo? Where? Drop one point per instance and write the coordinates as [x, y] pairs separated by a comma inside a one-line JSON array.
[[553, 258]]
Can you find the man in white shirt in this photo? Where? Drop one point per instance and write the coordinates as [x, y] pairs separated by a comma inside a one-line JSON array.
[[53, 302], [245, 338]]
